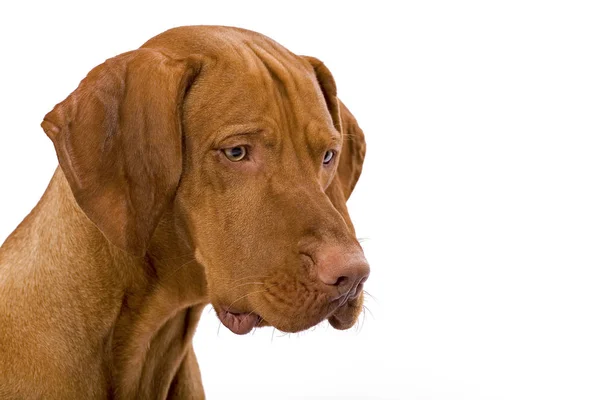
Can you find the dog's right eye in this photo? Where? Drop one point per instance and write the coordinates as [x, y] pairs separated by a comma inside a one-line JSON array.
[[237, 153]]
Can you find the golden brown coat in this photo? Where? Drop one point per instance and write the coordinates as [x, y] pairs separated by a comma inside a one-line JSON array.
[[146, 221]]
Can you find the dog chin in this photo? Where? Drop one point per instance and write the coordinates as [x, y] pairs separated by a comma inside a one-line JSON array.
[[346, 316], [241, 323]]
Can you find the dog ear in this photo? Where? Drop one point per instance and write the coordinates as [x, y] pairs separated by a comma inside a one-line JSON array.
[[353, 148], [119, 142]]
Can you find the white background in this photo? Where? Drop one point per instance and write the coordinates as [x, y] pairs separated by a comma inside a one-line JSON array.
[[479, 201]]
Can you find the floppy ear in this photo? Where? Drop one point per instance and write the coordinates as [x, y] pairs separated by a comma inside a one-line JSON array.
[[353, 147], [119, 144]]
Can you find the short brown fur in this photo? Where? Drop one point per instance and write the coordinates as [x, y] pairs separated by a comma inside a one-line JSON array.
[[145, 222]]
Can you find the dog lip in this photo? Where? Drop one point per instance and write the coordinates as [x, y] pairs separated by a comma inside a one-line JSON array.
[[238, 322], [350, 295], [358, 290]]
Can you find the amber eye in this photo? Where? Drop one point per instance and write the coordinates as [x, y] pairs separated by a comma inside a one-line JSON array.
[[328, 156], [237, 153]]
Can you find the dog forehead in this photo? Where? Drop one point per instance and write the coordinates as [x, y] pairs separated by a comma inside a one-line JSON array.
[[230, 99], [246, 77], [241, 54], [242, 59]]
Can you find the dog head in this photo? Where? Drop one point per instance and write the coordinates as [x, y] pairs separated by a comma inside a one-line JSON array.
[[249, 147]]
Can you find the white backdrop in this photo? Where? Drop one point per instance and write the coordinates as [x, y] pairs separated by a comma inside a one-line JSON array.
[[479, 202]]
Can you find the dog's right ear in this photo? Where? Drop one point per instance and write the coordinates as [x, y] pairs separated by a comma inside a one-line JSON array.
[[119, 142], [354, 147]]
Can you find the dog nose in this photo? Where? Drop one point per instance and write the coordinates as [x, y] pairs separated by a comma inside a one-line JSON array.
[[343, 269]]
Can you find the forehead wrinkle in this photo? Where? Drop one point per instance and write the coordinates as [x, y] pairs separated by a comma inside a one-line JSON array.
[[284, 87], [303, 92], [262, 128], [277, 70], [309, 135]]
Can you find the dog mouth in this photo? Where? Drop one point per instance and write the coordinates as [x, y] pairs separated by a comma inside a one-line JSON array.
[[238, 322], [343, 316]]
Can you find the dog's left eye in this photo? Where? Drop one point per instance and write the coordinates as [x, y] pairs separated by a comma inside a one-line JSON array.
[[237, 153], [328, 156]]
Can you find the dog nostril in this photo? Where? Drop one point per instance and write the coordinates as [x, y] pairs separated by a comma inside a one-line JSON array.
[[341, 281]]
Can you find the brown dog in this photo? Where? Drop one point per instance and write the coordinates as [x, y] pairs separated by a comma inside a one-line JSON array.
[[209, 166]]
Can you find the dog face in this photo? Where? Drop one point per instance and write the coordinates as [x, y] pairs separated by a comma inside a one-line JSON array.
[[249, 147]]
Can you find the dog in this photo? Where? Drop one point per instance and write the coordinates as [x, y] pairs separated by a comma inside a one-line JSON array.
[[209, 166]]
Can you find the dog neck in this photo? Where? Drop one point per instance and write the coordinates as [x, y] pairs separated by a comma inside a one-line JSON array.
[[146, 308]]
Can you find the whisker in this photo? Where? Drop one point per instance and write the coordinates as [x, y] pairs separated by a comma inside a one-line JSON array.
[[249, 277], [248, 294], [284, 334], [369, 311], [361, 324], [247, 283], [371, 296], [260, 319], [273, 323]]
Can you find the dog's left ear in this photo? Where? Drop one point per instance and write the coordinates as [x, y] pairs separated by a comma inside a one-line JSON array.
[[353, 148]]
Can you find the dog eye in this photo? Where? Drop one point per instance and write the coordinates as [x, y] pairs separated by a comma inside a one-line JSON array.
[[328, 156], [237, 153]]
